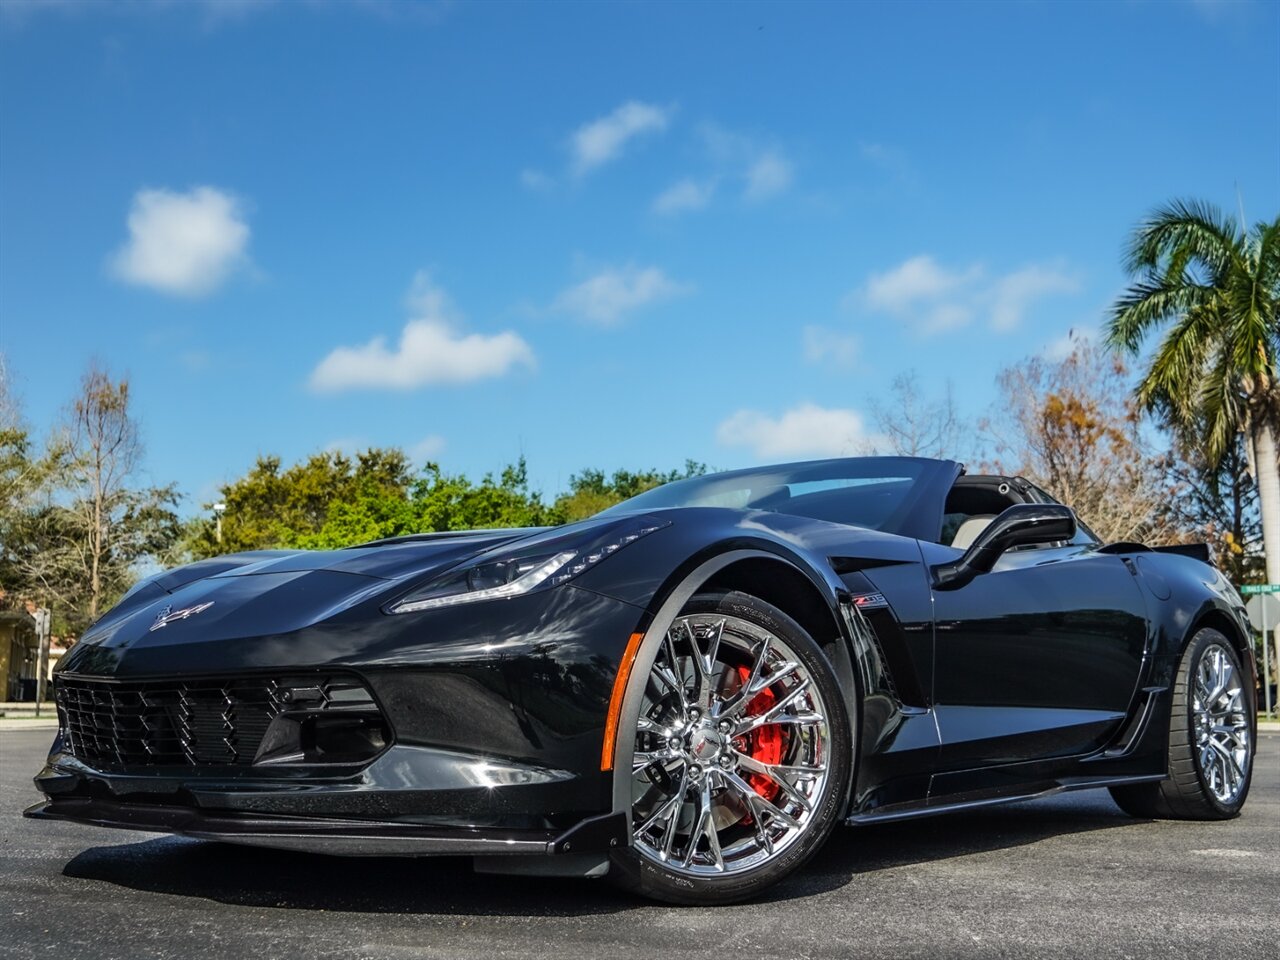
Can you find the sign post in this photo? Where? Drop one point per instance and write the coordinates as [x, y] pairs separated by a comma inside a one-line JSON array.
[[1263, 609], [41, 616]]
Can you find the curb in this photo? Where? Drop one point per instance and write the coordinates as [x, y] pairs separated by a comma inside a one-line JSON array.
[[40, 723]]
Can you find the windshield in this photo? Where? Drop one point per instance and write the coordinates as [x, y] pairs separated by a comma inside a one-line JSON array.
[[882, 493]]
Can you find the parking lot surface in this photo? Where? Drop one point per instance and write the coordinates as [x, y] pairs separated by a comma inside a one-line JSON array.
[[1068, 876]]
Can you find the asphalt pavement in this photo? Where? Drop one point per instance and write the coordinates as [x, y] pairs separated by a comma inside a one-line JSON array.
[[1069, 876]]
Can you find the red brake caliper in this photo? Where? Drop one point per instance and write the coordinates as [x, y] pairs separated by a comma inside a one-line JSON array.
[[765, 744]]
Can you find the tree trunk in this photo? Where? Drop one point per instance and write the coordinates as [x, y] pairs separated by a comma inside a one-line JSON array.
[[1267, 468]]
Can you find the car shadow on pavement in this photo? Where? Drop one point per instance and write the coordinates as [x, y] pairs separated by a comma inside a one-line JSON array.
[[262, 878], [854, 853]]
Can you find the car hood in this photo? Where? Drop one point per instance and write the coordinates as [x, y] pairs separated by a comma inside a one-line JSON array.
[[250, 596]]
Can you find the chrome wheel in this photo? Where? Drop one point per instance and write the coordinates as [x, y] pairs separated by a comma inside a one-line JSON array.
[[731, 749], [1220, 719]]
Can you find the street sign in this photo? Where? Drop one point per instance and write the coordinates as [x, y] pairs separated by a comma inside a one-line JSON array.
[[1264, 611], [1249, 589]]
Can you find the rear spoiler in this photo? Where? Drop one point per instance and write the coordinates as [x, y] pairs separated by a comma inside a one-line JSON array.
[[1196, 551]]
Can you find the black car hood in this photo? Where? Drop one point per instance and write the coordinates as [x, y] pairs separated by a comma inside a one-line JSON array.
[[244, 597], [392, 559]]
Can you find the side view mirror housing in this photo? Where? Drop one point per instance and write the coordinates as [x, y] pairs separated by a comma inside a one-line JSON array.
[[1023, 524]]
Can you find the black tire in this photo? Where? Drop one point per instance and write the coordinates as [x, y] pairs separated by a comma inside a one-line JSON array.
[[638, 873], [1186, 794]]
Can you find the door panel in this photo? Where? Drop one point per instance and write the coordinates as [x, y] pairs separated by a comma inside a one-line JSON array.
[[1038, 658]]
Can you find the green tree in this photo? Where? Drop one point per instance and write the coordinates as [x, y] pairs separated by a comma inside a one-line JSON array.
[[271, 507], [75, 526], [448, 502], [24, 476], [1213, 287], [1218, 503]]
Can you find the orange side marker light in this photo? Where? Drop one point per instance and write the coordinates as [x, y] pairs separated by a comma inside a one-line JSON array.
[[615, 700]]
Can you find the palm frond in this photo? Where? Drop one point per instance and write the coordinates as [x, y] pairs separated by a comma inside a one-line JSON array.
[[1268, 241], [1219, 404], [1199, 231], [1175, 372], [1148, 305]]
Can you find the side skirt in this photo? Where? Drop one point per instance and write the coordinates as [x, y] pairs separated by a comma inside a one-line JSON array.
[[911, 811]]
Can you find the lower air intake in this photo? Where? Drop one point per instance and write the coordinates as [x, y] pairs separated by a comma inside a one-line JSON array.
[[212, 722]]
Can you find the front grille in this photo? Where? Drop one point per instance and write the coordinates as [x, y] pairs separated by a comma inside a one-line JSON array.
[[213, 722]]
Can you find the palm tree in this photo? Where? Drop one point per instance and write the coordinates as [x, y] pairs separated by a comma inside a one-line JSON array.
[[1214, 287]]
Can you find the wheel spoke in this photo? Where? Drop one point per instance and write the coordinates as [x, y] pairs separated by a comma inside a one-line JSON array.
[[758, 804], [673, 674], [665, 676], [1227, 756], [773, 772], [707, 824], [695, 813], [703, 811], [642, 759], [775, 769], [775, 713], [673, 819], [732, 706], [669, 811], [702, 688], [713, 646]]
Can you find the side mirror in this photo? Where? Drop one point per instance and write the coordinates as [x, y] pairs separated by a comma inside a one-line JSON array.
[[1021, 525]]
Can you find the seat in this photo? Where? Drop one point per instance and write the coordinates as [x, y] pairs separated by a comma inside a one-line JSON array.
[[970, 529]]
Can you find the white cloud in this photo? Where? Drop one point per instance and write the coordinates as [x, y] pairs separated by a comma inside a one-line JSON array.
[[932, 298], [764, 170], [535, 179], [1012, 294], [182, 243], [429, 446], [806, 430], [684, 195], [608, 296], [431, 351], [831, 347], [602, 140], [768, 175], [915, 280]]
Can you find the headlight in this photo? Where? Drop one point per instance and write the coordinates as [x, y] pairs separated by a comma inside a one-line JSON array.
[[544, 561]]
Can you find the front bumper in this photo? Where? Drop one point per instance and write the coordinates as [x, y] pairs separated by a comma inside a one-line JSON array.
[[595, 835], [495, 715], [408, 795]]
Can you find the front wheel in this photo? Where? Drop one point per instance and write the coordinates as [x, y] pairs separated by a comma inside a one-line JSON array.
[[742, 755], [1210, 739]]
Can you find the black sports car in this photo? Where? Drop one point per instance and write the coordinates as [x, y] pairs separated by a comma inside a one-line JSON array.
[[687, 691]]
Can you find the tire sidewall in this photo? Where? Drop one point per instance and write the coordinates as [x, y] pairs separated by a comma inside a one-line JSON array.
[[641, 874]]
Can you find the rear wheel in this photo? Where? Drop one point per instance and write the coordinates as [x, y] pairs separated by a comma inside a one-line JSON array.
[[742, 755], [1210, 739]]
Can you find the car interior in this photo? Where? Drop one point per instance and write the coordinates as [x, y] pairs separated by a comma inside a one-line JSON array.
[[974, 501]]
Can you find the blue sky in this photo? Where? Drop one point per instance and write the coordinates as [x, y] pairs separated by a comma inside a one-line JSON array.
[[612, 235]]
